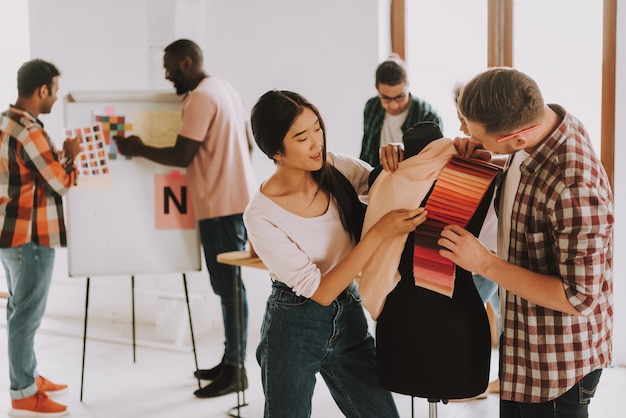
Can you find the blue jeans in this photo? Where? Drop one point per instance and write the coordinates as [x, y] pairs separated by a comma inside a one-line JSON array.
[[488, 292], [572, 404], [28, 269], [300, 338], [219, 235]]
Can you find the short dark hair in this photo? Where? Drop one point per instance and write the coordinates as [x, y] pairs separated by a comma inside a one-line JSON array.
[[391, 72], [34, 74], [185, 48], [503, 99]]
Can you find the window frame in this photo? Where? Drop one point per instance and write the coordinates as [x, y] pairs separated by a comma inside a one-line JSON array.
[[500, 53]]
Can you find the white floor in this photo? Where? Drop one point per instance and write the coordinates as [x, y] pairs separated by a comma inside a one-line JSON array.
[[160, 384]]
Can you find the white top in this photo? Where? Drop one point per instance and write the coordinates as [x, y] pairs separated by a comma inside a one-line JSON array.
[[489, 231], [507, 198], [298, 251], [391, 131]]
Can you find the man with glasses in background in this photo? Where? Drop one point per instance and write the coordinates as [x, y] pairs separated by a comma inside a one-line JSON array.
[[394, 110]]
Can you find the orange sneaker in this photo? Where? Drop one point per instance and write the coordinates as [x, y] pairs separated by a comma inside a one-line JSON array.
[[47, 386], [38, 405]]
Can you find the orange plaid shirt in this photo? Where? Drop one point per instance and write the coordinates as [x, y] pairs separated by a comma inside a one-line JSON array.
[[32, 183]]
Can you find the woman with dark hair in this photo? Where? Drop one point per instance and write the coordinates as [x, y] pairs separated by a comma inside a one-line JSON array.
[[305, 224]]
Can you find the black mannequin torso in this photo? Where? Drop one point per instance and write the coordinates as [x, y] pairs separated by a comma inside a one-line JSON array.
[[430, 345]]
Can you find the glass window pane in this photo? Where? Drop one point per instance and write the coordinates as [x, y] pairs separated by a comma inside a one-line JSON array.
[[560, 46], [446, 44]]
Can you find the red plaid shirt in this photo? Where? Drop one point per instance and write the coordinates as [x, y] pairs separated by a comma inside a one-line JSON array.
[[562, 224], [32, 181]]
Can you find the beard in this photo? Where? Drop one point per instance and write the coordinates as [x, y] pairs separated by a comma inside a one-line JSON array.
[[180, 84], [180, 89]]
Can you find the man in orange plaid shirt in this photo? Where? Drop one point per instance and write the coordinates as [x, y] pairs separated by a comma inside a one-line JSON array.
[[33, 179]]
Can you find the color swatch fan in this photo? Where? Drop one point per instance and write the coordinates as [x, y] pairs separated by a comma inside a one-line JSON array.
[[454, 199]]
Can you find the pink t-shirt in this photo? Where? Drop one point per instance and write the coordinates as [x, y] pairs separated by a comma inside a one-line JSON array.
[[221, 180]]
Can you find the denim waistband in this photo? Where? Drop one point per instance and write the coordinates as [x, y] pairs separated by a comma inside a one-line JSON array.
[[344, 295]]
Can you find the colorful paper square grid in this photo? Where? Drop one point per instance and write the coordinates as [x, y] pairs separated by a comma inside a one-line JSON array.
[[94, 158], [112, 126]]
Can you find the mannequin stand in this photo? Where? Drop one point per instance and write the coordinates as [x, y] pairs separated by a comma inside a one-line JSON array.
[[432, 406]]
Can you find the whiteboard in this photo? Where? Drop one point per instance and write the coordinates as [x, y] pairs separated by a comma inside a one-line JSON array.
[[112, 219]]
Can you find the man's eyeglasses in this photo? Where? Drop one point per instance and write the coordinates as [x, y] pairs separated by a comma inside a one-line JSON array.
[[523, 131], [398, 99]]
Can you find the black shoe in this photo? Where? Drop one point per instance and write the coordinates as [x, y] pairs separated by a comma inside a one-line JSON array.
[[209, 374], [225, 383]]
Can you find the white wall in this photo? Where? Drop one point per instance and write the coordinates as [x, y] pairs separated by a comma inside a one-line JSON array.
[[326, 50]]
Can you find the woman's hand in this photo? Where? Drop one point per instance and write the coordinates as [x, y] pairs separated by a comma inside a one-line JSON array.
[[391, 155], [399, 221]]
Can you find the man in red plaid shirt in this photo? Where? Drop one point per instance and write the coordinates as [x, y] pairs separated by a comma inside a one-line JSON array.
[[554, 262]]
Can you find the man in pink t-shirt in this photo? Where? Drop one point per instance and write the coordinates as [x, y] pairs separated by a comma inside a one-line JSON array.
[[214, 144]]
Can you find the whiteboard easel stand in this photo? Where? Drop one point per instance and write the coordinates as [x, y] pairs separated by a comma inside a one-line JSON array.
[[132, 281]]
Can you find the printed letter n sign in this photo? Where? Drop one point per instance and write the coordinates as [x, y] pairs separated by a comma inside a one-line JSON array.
[[172, 206]]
